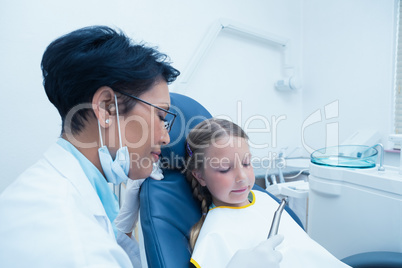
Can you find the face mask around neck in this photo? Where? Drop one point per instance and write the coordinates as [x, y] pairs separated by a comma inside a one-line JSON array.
[[116, 170]]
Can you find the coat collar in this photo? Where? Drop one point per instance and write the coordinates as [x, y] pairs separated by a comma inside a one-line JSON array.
[[69, 167]]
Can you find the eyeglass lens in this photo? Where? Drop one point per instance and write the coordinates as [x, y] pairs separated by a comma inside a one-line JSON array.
[[169, 121]]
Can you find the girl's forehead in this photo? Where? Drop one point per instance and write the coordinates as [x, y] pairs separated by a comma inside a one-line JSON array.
[[227, 141], [228, 145]]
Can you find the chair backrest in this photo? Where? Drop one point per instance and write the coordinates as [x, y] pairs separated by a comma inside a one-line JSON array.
[[168, 209]]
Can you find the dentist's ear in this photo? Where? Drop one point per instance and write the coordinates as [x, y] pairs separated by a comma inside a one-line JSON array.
[[103, 105], [197, 174]]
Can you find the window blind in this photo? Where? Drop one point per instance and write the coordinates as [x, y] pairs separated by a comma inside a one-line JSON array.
[[398, 75]]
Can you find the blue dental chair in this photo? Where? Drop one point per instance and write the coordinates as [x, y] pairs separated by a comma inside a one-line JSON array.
[[377, 259], [167, 207]]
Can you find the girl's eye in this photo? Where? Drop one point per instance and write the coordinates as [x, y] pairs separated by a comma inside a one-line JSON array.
[[246, 164], [224, 170]]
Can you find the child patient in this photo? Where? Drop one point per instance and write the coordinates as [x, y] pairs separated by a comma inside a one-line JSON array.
[[233, 216]]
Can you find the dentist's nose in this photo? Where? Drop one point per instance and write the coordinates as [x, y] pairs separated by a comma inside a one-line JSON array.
[[165, 138]]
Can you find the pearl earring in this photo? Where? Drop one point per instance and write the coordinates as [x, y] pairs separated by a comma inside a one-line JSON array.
[[107, 121]]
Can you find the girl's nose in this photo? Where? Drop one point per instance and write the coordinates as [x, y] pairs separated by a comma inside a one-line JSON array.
[[241, 175]]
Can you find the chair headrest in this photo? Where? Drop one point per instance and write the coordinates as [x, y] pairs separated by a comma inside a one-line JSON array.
[[189, 114]]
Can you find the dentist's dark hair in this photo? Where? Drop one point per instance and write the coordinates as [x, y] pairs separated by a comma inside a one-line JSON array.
[[77, 64], [201, 137]]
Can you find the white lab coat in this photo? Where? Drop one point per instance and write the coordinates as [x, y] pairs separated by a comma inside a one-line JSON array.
[[51, 216]]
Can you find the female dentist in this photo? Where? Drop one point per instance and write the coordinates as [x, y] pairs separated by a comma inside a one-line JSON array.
[[113, 99]]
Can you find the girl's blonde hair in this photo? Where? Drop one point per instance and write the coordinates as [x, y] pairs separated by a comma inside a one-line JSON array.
[[201, 137]]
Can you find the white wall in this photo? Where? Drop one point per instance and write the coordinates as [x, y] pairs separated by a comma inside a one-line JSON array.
[[343, 49], [31, 124], [348, 50]]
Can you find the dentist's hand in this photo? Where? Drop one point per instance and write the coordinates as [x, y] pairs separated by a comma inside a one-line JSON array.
[[128, 214], [263, 255]]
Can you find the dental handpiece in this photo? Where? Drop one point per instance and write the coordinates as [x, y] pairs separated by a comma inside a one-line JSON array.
[[277, 218]]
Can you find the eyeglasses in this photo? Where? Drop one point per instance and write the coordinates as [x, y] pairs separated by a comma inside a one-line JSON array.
[[169, 118]]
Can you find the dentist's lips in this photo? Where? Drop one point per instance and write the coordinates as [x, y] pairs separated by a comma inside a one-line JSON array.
[[155, 155]]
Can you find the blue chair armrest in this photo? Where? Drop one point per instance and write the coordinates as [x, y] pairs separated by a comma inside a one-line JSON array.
[[377, 259]]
